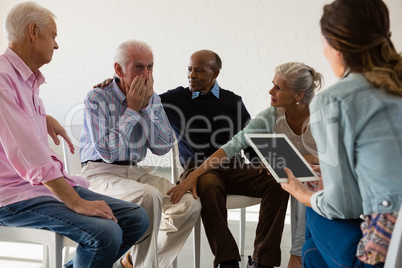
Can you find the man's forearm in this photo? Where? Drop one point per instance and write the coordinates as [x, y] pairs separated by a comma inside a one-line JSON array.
[[73, 201], [64, 191]]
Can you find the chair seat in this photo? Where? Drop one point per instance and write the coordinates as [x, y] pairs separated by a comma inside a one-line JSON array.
[[53, 242], [241, 201]]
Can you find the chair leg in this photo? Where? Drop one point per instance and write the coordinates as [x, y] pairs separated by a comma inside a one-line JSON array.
[[242, 230], [197, 243], [56, 252], [45, 258], [66, 254], [53, 256]]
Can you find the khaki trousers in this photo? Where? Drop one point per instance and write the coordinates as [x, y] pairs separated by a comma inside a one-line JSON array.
[[170, 224]]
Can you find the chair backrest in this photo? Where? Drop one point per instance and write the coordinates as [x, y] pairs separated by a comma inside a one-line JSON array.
[[72, 163], [177, 169], [394, 256]]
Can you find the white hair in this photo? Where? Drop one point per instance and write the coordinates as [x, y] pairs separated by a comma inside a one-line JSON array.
[[23, 14], [124, 50]]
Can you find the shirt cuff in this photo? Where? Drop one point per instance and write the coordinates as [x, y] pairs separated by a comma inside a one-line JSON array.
[[131, 116], [147, 111], [314, 202], [47, 172], [229, 150]]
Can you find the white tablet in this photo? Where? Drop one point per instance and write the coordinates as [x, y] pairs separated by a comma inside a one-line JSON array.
[[276, 152]]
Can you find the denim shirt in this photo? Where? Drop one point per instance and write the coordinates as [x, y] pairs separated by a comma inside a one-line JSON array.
[[358, 131]]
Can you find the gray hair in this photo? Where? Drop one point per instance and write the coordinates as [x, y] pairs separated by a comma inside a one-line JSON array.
[[123, 51], [21, 15], [301, 78], [218, 62]]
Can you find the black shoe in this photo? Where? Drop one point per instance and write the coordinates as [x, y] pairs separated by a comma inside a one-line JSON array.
[[229, 264], [253, 264]]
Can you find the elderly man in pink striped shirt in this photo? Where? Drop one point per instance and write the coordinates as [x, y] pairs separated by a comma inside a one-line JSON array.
[[35, 191]]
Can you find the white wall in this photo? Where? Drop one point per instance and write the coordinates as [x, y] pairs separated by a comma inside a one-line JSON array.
[[251, 36]]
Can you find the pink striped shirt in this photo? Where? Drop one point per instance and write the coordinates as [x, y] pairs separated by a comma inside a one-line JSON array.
[[26, 159]]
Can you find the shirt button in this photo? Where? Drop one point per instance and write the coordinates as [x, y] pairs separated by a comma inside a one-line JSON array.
[[385, 203]]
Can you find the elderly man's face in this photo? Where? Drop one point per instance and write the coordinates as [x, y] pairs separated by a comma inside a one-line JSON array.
[[201, 75], [140, 63], [46, 42]]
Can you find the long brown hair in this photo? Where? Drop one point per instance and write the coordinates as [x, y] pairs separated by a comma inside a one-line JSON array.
[[360, 30]]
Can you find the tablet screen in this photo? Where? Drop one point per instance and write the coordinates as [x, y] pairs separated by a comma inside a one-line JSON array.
[[277, 151]]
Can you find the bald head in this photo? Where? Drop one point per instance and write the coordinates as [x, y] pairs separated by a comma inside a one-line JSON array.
[[209, 57], [203, 69]]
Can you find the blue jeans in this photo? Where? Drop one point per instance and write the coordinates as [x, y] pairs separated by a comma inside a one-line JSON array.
[[101, 241], [331, 243]]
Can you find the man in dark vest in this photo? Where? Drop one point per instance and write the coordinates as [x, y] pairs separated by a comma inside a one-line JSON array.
[[205, 117]]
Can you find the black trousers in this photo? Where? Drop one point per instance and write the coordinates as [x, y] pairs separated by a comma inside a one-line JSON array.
[[242, 179]]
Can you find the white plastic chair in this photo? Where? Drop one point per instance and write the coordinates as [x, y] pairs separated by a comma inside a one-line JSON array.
[[233, 202], [72, 162], [52, 242], [394, 255]]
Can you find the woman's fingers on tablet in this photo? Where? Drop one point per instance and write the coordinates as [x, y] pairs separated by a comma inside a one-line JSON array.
[[289, 173]]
